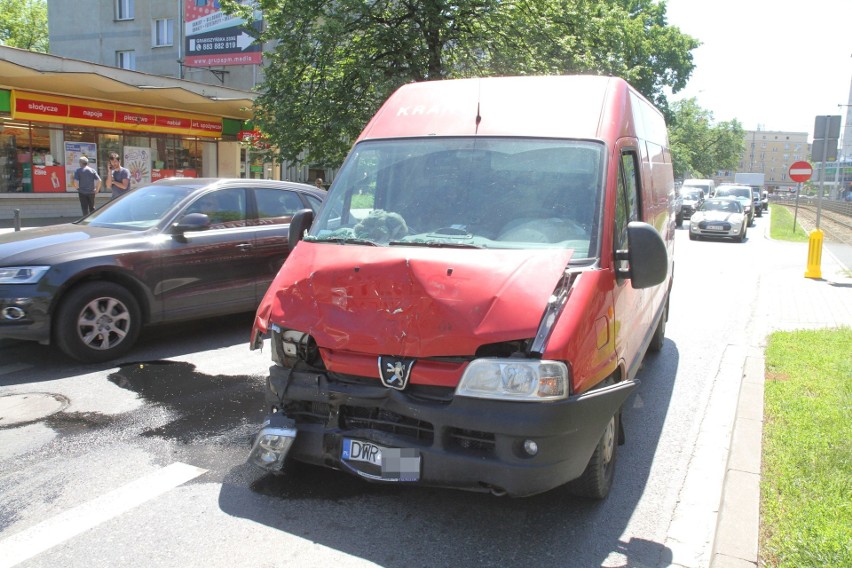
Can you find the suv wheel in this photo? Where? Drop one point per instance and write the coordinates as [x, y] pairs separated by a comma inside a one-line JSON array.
[[97, 321]]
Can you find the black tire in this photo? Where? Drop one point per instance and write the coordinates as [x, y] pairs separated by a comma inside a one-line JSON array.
[[97, 321], [659, 338], [596, 480], [679, 221]]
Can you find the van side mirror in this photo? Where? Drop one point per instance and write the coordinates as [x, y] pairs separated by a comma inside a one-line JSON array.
[[301, 222], [646, 254]]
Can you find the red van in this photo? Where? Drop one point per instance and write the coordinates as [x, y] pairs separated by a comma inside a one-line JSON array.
[[471, 305]]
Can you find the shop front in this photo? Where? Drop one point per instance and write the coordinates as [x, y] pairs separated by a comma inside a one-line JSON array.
[[55, 110], [44, 136]]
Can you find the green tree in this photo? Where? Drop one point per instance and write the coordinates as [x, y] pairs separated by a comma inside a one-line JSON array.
[[329, 65], [23, 24], [700, 147]]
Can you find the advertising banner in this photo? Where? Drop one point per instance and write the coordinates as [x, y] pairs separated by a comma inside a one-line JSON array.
[[214, 38], [49, 179], [73, 151], [163, 174], [137, 159]]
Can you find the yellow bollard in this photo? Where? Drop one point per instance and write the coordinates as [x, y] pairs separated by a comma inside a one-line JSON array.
[[814, 255]]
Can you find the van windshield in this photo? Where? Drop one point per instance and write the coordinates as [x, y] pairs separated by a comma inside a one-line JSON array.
[[467, 193]]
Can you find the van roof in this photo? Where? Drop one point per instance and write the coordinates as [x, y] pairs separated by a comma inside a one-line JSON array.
[[578, 106]]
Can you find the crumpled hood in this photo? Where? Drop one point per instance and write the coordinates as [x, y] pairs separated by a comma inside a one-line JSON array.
[[411, 302]]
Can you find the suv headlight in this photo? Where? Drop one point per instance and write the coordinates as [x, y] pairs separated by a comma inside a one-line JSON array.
[[22, 274], [515, 379]]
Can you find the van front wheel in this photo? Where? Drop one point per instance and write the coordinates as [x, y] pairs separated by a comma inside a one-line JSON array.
[[659, 337], [596, 480]]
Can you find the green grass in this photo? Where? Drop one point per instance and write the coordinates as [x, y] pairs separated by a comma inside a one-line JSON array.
[[781, 225], [806, 482]]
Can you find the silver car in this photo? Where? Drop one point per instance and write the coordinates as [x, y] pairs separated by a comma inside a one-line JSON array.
[[719, 217]]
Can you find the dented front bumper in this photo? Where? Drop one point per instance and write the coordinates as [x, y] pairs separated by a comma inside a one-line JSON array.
[[505, 447]]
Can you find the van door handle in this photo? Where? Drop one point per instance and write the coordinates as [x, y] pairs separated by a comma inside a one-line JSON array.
[[245, 247]]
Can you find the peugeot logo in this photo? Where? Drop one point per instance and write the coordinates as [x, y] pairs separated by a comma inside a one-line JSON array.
[[394, 371]]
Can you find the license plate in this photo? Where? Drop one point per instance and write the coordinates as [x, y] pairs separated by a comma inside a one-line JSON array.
[[378, 462], [714, 227]]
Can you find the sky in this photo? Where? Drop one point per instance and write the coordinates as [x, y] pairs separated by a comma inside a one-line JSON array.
[[770, 64]]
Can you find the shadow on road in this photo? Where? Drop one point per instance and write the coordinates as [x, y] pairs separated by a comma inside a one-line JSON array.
[[28, 362]]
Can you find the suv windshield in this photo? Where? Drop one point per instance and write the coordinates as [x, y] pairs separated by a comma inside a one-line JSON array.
[[469, 193], [139, 209]]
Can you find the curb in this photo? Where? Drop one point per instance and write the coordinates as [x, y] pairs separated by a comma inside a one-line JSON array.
[[738, 526]]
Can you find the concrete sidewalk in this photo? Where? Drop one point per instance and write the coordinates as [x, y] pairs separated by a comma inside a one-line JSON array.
[[7, 224], [787, 301]]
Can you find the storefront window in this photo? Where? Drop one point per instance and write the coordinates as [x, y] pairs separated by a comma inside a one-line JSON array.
[[40, 157], [14, 153]]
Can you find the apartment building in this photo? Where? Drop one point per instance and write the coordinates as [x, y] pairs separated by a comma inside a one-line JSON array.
[[150, 36], [771, 153]]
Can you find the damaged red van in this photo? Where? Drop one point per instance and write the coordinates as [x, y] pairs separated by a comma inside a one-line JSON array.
[[471, 305]]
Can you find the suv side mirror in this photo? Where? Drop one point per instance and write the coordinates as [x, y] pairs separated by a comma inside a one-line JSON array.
[[190, 222], [646, 255], [301, 222]]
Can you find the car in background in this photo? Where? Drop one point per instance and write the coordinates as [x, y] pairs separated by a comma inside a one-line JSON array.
[[178, 249], [719, 217], [743, 194], [757, 203], [691, 198], [708, 186]]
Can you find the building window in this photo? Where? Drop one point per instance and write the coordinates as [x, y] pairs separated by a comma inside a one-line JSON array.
[[163, 33], [123, 9], [125, 60]]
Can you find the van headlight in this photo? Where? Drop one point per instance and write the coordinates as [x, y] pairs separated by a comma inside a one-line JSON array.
[[515, 379], [22, 274]]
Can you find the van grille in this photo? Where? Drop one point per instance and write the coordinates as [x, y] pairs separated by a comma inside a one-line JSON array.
[[304, 412], [358, 418], [471, 440]]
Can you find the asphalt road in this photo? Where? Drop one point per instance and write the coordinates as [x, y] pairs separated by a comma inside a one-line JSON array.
[[145, 466]]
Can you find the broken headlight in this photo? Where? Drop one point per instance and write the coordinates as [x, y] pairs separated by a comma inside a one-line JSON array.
[[290, 346]]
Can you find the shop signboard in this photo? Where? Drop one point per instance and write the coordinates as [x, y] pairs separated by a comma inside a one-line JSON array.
[[81, 112], [137, 159], [73, 152], [214, 38]]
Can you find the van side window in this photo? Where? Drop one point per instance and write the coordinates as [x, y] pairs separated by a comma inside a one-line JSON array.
[[626, 200]]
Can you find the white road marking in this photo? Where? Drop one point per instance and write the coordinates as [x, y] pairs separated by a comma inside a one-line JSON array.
[[51, 532]]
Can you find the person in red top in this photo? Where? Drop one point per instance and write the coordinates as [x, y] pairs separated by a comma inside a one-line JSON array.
[[118, 180]]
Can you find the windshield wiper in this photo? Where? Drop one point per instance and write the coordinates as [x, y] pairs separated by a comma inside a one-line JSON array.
[[434, 244], [344, 241]]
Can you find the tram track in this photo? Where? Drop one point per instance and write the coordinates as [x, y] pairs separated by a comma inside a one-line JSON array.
[[835, 222]]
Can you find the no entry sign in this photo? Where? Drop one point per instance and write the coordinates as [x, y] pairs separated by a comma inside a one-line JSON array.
[[801, 171]]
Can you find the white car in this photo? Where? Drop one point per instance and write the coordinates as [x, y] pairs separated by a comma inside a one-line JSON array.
[[719, 217]]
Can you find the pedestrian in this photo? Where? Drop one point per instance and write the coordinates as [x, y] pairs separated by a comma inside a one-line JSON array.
[[118, 180], [319, 184], [87, 182]]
